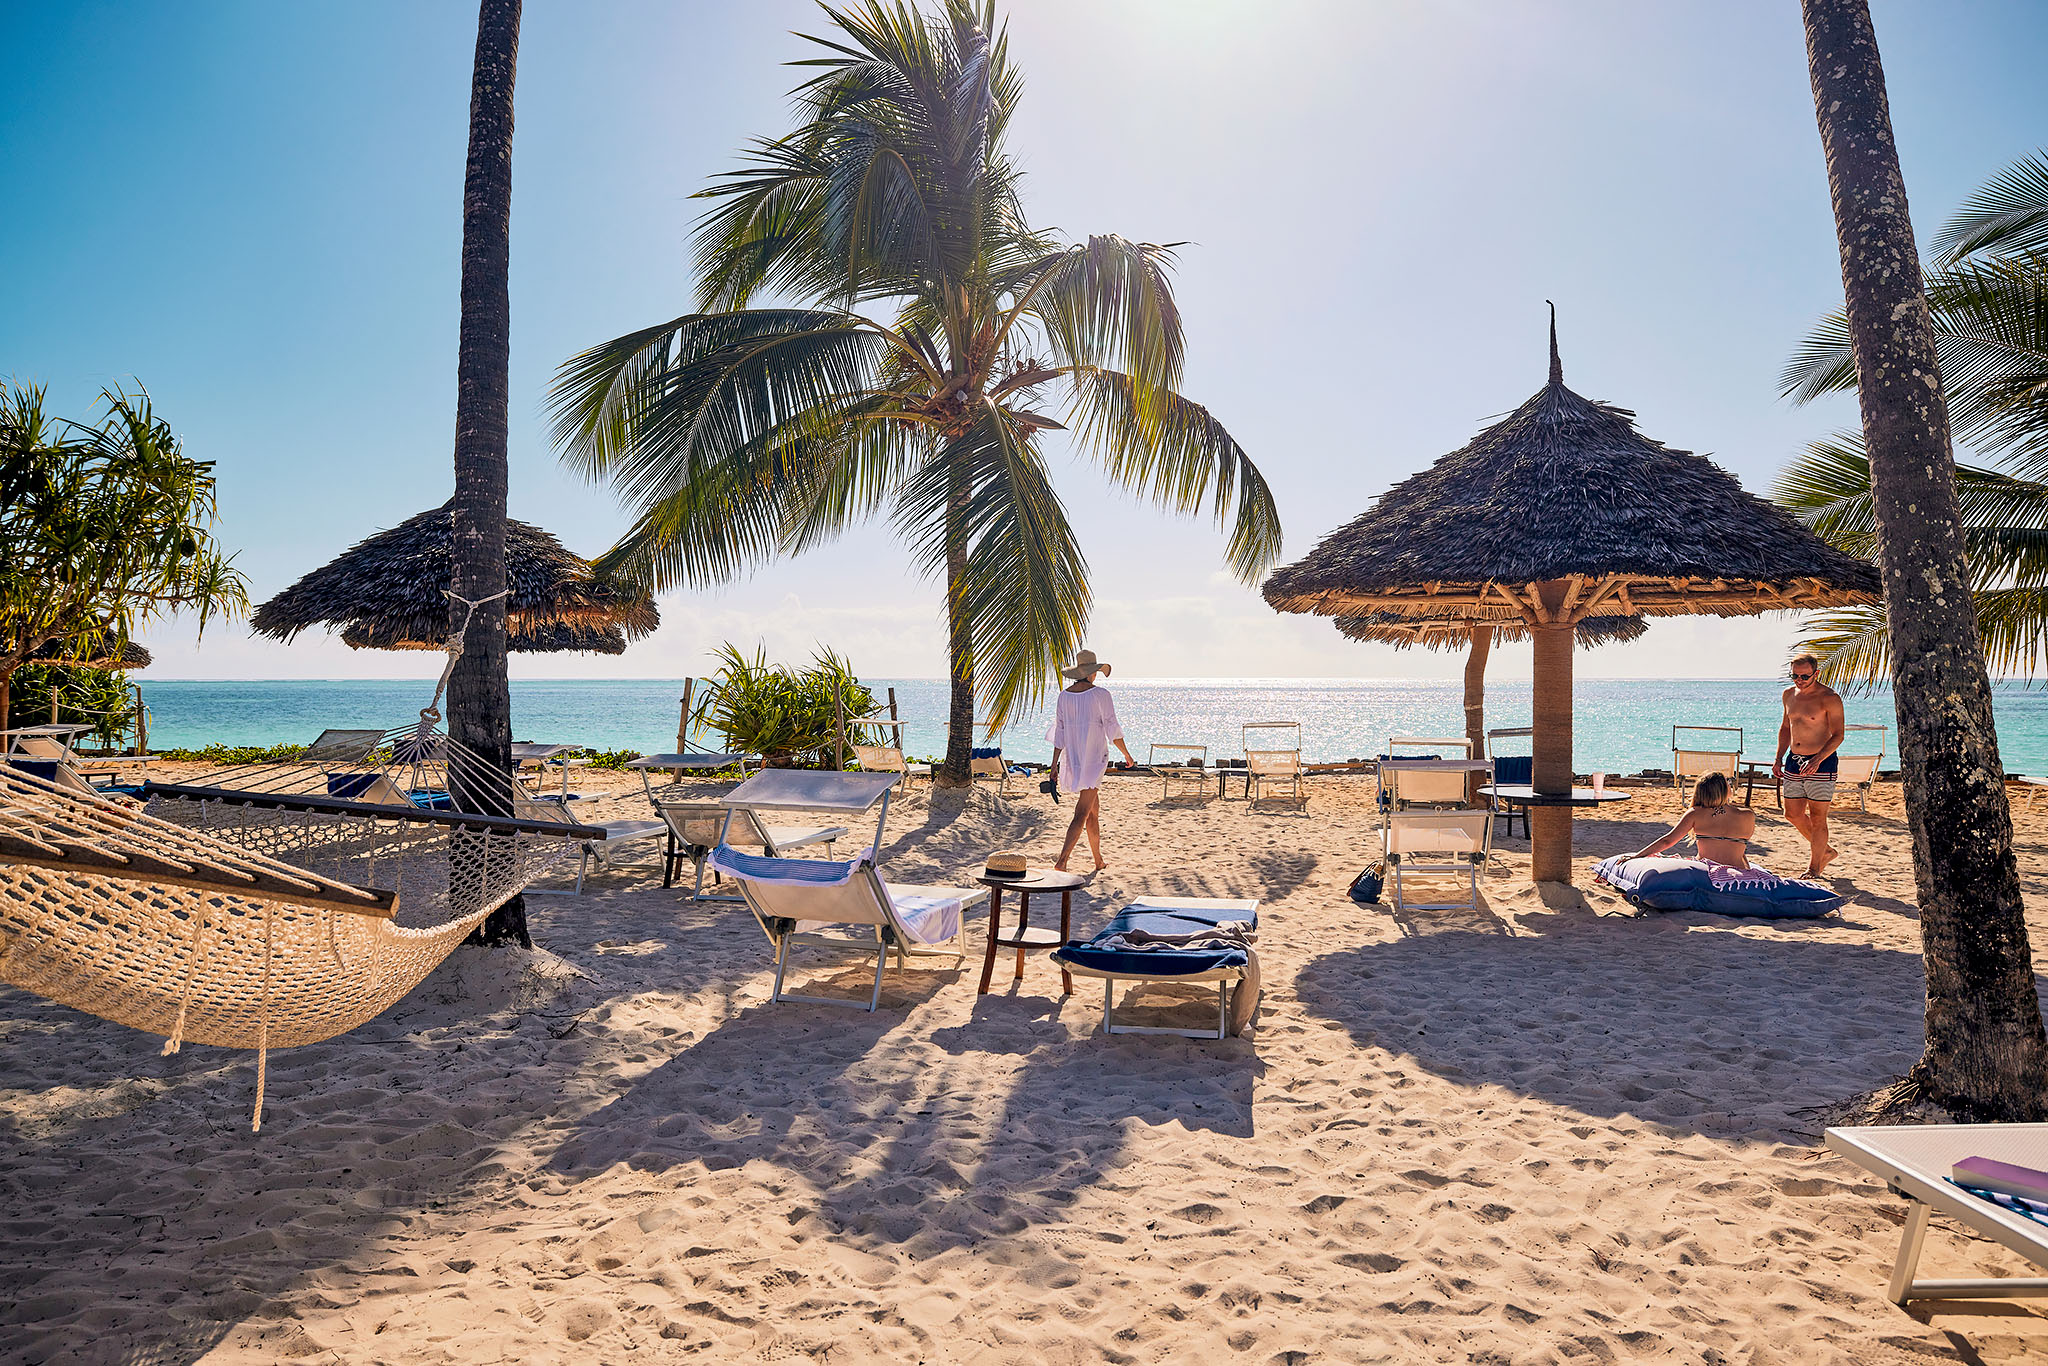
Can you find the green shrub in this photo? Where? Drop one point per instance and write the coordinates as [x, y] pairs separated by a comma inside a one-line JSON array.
[[99, 698], [236, 754], [784, 715], [608, 758]]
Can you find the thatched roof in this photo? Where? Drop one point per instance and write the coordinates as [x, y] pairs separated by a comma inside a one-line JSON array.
[[1566, 489], [1388, 628], [387, 593], [129, 656], [560, 638]]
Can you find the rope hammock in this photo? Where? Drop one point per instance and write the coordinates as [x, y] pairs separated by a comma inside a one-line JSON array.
[[261, 917]]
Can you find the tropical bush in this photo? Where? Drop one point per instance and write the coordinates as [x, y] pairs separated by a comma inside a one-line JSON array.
[[785, 715], [609, 758], [87, 697], [236, 754]]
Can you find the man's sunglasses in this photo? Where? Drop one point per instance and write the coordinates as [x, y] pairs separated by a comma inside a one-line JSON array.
[[1800, 678]]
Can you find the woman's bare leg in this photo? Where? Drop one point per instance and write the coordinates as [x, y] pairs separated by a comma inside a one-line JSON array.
[[1095, 826], [1084, 804]]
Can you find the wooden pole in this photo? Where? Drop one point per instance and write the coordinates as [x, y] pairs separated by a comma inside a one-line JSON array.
[[141, 722], [1550, 827], [892, 706], [838, 730], [683, 726], [1475, 698]]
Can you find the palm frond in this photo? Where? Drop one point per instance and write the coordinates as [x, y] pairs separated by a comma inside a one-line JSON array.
[[1854, 645], [1107, 303], [2008, 214], [1180, 460]]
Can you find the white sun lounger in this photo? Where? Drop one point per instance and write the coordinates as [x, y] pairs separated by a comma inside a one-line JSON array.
[[696, 828], [793, 899], [1914, 1160]]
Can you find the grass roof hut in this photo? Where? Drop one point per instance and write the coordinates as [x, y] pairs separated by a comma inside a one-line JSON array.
[[389, 592], [1559, 512]]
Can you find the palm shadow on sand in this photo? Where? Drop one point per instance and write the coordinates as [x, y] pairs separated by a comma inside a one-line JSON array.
[[1723, 1033]]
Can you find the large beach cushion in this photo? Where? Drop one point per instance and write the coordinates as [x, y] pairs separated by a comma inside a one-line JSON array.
[[1679, 884], [1173, 916]]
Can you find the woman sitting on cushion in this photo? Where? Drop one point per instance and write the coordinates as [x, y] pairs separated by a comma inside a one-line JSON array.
[[1720, 829]]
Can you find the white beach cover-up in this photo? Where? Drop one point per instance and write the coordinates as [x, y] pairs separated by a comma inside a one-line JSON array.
[[1082, 728]]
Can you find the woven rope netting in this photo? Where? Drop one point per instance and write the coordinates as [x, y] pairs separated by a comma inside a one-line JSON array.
[[238, 924]]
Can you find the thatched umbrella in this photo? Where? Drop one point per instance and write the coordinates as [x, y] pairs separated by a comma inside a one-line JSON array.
[[1559, 512], [388, 593], [98, 656]]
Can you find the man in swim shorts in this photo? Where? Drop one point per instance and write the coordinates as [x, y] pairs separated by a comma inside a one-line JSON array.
[[1805, 765]]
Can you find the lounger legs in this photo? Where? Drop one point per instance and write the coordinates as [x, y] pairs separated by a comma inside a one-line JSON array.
[[1110, 1026], [1903, 1287], [782, 968]]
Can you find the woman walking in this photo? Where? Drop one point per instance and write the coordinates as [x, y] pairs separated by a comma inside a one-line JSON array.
[[1083, 729]]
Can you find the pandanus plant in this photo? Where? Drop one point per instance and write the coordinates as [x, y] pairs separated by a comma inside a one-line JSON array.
[[938, 332]]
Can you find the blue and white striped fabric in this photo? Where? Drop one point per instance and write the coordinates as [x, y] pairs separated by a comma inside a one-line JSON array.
[[788, 872]]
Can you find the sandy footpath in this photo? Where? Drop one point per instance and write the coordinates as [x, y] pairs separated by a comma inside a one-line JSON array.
[[1529, 1135]]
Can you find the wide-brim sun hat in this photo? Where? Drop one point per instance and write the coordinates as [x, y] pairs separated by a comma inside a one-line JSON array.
[[1085, 666]]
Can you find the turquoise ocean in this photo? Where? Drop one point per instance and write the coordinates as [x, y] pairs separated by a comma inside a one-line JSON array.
[[1620, 725]]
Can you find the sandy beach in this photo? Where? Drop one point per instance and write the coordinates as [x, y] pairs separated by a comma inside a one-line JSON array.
[[1534, 1134]]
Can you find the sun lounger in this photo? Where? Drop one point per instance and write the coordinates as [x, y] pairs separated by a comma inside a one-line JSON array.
[[1428, 786], [794, 899], [1171, 917], [986, 761], [2034, 789], [1182, 762], [52, 743], [887, 757], [1424, 841], [1694, 758], [1855, 765], [1914, 1161], [696, 828], [1272, 754]]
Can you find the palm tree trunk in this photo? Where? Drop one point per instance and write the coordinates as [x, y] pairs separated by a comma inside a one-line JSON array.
[[1986, 1052], [958, 768], [1475, 698], [479, 696]]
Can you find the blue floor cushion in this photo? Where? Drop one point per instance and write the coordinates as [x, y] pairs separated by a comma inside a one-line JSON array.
[[1681, 884]]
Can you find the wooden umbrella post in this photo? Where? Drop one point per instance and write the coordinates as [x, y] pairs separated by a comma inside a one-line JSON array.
[[1550, 827], [683, 725], [1481, 634]]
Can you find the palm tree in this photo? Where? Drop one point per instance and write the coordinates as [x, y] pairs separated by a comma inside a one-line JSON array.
[[1987, 1053], [917, 373], [479, 694], [1988, 296]]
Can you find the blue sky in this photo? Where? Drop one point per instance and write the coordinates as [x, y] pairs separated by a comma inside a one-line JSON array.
[[255, 210]]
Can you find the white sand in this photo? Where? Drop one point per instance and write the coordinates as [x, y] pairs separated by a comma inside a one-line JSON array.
[[1529, 1135]]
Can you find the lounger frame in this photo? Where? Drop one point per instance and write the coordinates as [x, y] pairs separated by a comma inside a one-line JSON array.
[[1223, 977], [1179, 768], [879, 905], [1917, 1182]]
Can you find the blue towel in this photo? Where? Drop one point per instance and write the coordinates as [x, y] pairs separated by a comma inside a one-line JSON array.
[[350, 785], [988, 752], [1515, 769], [1152, 962], [46, 769], [787, 872]]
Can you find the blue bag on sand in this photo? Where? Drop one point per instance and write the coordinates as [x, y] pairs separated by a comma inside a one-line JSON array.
[[1685, 884], [1368, 885]]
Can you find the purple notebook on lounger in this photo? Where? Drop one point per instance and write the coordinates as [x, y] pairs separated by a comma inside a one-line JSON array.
[[1984, 1174]]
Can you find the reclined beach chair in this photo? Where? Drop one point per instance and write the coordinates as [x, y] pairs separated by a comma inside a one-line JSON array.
[[52, 743], [1421, 841], [1182, 763], [793, 899], [986, 761], [1108, 957], [1693, 759], [888, 757], [1272, 754], [1914, 1161], [1855, 765], [694, 829]]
